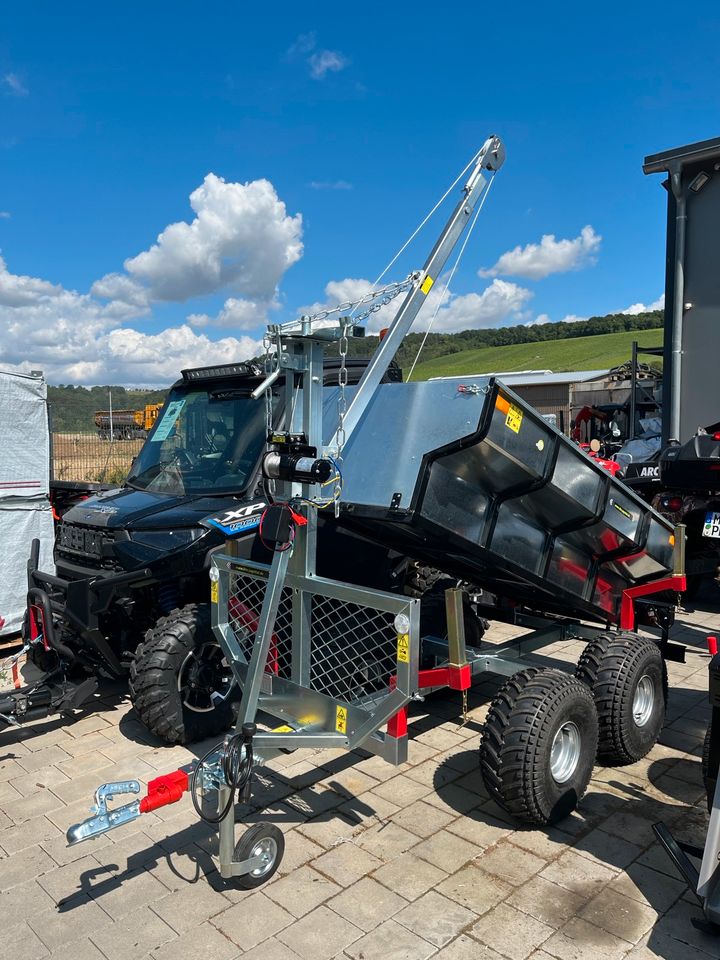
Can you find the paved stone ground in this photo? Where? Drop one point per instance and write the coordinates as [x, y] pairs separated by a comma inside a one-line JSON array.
[[381, 863]]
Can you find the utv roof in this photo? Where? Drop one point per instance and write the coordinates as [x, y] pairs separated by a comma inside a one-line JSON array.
[[254, 369]]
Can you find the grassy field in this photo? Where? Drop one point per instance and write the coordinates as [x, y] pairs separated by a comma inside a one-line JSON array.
[[580, 353]]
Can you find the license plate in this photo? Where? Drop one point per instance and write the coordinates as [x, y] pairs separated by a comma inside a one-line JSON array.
[[711, 527]]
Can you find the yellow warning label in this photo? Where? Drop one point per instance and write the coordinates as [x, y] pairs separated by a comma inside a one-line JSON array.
[[426, 285], [514, 418], [214, 591], [341, 719], [403, 651], [284, 729]]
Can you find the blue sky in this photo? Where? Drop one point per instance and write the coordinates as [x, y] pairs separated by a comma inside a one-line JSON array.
[[358, 118]]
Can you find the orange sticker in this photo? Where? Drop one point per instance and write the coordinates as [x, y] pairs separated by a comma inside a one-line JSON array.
[[502, 404]]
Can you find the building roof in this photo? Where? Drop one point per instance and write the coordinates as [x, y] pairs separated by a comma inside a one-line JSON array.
[[690, 153], [527, 378]]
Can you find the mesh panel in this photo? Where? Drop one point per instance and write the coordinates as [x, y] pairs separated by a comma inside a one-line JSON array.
[[245, 600], [354, 649]]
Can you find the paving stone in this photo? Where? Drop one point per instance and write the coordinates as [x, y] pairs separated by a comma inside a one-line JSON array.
[[482, 830], [189, 907], [302, 891], [465, 947], [401, 790], [252, 920], [57, 848], [134, 936], [580, 874], [386, 840], [548, 844], [27, 808], [390, 941], [447, 851], [203, 942], [409, 876], [454, 799], [422, 819], [349, 783], [512, 864], [435, 918], [271, 949], [298, 851], [80, 917], [44, 779], [345, 863], [23, 901], [328, 831], [320, 935], [9, 792], [508, 930], [119, 895], [606, 849], [368, 809], [546, 901], [68, 881], [580, 940], [475, 889], [34, 762], [29, 834], [20, 943], [30, 863], [83, 949], [367, 904], [649, 887], [619, 915]]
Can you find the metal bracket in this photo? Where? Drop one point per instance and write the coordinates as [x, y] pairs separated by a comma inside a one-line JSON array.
[[105, 819]]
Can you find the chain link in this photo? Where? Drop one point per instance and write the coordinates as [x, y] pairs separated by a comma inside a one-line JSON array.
[[383, 297], [345, 324]]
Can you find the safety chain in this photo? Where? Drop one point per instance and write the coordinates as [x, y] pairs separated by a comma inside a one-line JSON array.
[[267, 343], [384, 296], [345, 324]]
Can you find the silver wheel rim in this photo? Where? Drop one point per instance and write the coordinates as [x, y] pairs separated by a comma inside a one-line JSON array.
[[565, 752], [265, 850], [643, 701]]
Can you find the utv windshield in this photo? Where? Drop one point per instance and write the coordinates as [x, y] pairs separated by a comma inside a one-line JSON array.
[[207, 440]]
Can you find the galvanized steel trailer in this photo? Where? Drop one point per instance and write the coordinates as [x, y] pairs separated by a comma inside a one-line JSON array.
[[477, 484]]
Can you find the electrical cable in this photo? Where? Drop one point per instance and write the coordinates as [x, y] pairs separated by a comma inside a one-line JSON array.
[[450, 277], [236, 767]]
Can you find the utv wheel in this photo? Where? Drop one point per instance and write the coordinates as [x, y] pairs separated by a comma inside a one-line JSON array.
[[538, 745], [265, 843], [628, 679], [180, 684]]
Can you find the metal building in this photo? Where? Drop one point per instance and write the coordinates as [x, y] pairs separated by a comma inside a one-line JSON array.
[[692, 287]]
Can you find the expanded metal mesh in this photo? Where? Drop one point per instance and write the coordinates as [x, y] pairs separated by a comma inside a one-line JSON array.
[[353, 647], [245, 600]]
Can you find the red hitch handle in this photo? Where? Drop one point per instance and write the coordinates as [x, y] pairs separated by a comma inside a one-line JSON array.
[[164, 790]]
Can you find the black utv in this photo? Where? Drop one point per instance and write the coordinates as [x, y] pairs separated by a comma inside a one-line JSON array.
[[131, 591]]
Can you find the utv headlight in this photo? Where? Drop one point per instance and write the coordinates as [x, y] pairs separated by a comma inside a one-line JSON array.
[[167, 540]]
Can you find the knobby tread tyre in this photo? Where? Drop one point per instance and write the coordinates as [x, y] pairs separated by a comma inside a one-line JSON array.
[[516, 744], [611, 666], [707, 783], [154, 678]]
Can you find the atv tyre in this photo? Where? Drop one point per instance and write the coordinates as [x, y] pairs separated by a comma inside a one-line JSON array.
[[538, 745], [628, 679], [179, 643], [708, 783]]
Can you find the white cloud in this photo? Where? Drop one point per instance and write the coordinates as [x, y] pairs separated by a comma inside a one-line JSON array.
[[5, 214], [636, 308], [330, 185], [326, 61], [537, 260], [242, 238], [15, 85]]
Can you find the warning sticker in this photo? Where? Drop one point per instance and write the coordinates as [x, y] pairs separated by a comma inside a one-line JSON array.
[[214, 591], [283, 729], [426, 285], [514, 418], [403, 649], [341, 719]]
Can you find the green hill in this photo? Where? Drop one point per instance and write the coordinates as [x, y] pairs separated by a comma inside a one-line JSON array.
[[580, 353]]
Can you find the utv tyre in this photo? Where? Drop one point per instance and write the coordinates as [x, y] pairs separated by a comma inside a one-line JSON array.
[[538, 745], [628, 679], [180, 685]]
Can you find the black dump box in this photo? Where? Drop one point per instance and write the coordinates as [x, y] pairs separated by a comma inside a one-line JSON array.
[[472, 479]]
